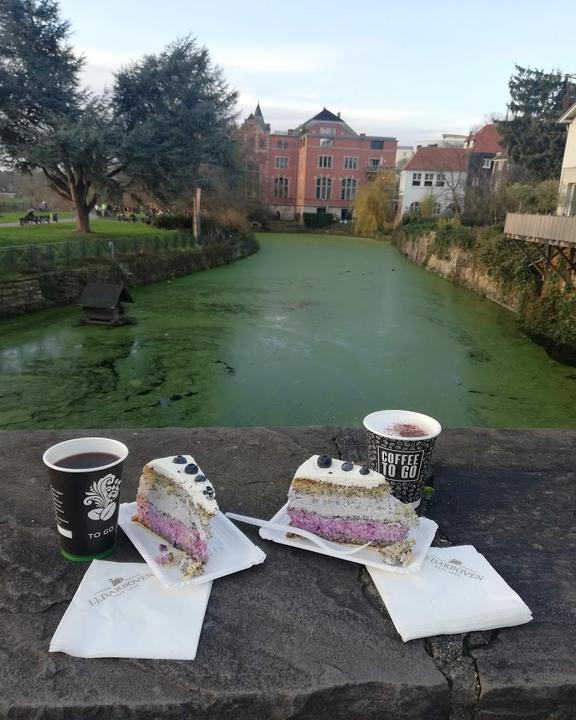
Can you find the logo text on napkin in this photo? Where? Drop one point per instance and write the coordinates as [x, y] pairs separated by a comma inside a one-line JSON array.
[[118, 586], [454, 567]]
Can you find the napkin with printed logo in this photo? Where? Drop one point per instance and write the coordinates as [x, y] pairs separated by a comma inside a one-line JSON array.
[[456, 591], [123, 610]]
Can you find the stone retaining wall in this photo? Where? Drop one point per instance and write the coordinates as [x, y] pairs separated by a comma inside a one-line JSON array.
[[461, 267], [63, 287]]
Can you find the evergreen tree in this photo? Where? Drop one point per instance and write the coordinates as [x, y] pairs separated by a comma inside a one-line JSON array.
[[177, 114], [532, 135], [46, 120]]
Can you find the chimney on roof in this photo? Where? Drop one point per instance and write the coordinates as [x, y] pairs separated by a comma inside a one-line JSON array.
[[338, 113]]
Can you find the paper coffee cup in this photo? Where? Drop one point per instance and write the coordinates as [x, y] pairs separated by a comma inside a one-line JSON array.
[[400, 444], [85, 476]]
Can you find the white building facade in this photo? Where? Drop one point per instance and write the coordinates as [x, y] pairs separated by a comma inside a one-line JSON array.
[[434, 172], [567, 192]]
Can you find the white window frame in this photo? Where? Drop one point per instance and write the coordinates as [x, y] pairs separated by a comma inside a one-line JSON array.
[[325, 161], [326, 142], [281, 162], [281, 187], [486, 163], [374, 163], [323, 188], [428, 179], [348, 189], [351, 163], [416, 179], [440, 180]]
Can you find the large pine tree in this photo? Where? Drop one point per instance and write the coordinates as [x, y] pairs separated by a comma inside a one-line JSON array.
[[177, 115], [46, 120], [531, 133]]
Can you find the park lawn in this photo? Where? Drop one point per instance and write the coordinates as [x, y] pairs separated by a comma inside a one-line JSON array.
[[12, 217], [53, 233]]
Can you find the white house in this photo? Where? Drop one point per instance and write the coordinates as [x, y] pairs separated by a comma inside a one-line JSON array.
[[567, 195], [439, 172]]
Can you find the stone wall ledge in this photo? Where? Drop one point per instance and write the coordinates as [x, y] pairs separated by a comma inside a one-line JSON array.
[[63, 287], [304, 636]]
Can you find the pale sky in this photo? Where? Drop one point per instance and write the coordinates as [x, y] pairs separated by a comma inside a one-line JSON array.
[[411, 70]]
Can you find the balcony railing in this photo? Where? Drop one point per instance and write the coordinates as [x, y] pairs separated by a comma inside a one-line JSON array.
[[547, 229]]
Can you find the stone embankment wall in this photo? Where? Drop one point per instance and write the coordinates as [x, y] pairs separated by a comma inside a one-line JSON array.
[[63, 287], [460, 265]]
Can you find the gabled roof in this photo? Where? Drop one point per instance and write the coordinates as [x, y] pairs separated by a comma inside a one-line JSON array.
[[326, 115], [486, 140], [569, 115], [440, 159], [104, 295]]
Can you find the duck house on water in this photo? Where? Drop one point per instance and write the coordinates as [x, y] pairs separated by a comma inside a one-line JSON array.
[[102, 304]]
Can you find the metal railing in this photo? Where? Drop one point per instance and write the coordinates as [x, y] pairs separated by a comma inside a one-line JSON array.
[[550, 229], [52, 256]]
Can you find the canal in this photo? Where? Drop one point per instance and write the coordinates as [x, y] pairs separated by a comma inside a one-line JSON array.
[[311, 330]]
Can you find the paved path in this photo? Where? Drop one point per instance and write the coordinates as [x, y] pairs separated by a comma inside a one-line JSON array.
[[304, 636]]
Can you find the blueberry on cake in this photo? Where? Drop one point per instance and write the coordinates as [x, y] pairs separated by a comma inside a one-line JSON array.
[[349, 503], [176, 501]]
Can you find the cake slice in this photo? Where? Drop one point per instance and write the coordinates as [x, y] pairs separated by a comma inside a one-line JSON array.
[[352, 504], [176, 501]]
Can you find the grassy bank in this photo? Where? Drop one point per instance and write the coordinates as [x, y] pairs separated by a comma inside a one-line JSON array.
[[55, 232], [546, 307]]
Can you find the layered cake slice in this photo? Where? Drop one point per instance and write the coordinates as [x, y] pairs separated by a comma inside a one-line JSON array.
[[352, 504], [176, 501]]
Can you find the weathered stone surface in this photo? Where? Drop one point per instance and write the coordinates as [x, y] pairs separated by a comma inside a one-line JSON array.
[[510, 493], [303, 636], [292, 638]]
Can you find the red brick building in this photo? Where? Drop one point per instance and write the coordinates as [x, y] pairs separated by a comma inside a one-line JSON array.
[[315, 168]]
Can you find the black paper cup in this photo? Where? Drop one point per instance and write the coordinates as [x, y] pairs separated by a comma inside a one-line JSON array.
[[86, 500], [404, 461]]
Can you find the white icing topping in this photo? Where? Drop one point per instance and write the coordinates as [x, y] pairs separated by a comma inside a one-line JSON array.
[[335, 475], [195, 490]]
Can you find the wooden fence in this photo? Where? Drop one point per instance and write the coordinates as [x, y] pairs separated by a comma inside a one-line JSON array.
[[44, 257], [544, 229]]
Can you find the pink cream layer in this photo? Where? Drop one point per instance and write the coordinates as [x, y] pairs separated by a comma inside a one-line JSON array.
[[347, 529], [175, 532]]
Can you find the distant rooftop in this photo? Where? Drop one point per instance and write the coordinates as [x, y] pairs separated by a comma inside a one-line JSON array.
[[440, 159], [486, 140]]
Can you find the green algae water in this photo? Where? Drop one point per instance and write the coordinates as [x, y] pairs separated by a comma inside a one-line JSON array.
[[310, 330]]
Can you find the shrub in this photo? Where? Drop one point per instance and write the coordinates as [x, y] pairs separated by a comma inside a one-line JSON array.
[[173, 222], [317, 220]]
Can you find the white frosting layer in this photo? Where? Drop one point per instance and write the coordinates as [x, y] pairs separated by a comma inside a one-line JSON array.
[[194, 490], [335, 475], [383, 509]]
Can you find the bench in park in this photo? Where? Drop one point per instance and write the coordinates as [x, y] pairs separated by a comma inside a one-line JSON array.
[[35, 220]]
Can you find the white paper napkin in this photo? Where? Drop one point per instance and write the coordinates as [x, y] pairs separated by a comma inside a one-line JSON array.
[[456, 591], [122, 610]]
